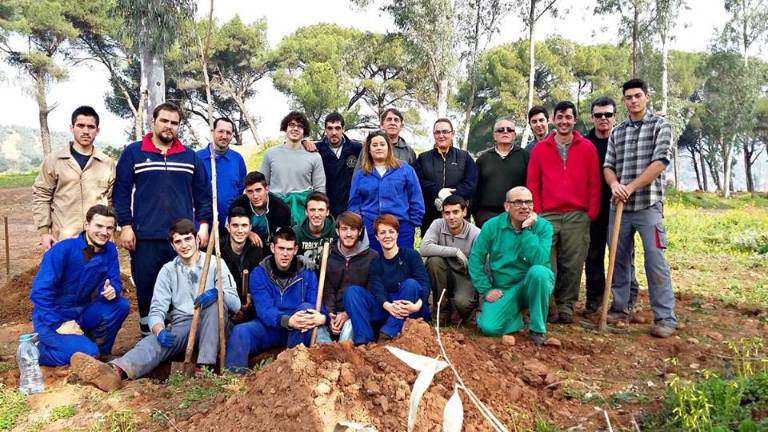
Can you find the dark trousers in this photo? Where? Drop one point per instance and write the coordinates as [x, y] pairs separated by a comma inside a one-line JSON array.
[[146, 262]]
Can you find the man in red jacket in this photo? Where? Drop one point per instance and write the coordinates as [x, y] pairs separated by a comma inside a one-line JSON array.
[[564, 177]]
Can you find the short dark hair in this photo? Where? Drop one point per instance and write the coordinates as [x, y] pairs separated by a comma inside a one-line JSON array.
[[285, 233], [317, 196], [167, 106], [255, 177], [101, 210], [564, 106], [603, 101], [85, 111], [443, 120], [634, 83], [386, 219], [455, 199], [181, 227], [334, 117], [237, 211], [394, 111], [298, 117], [537, 109], [224, 119]]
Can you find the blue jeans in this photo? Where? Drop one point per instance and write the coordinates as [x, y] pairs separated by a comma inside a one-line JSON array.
[[366, 312], [649, 224], [324, 333]]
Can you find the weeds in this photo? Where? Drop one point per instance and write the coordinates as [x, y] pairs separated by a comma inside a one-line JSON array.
[[13, 405], [11, 180], [207, 386]]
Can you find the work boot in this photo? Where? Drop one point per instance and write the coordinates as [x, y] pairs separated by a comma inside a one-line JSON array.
[[614, 317], [536, 338], [91, 371], [637, 318], [564, 318], [662, 331], [384, 338]]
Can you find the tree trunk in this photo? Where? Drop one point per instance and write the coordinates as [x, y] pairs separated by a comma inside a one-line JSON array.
[[696, 169], [635, 38], [748, 167], [472, 79], [468, 114], [42, 106], [727, 149], [531, 65], [703, 171], [442, 97], [152, 79]]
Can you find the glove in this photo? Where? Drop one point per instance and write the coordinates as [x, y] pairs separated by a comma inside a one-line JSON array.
[[445, 193], [439, 204], [166, 338], [462, 258], [207, 298]]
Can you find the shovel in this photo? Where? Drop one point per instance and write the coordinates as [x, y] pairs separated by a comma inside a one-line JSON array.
[[611, 263], [321, 286]]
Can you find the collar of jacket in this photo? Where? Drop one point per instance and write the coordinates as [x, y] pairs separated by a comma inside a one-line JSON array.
[[148, 146], [63, 153]]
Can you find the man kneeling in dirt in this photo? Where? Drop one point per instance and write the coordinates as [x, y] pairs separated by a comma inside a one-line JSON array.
[[175, 289], [76, 293], [284, 293], [515, 245]]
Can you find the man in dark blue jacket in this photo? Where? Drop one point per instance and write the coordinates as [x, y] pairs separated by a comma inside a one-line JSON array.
[[443, 171], [340, 155], [284, 293], [76, 293], [170, 183]]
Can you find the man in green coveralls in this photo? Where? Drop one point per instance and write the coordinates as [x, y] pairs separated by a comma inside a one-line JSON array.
[[515, 245]]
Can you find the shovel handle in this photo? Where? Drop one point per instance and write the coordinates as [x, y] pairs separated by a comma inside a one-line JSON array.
[[321, 286], [611, 264]]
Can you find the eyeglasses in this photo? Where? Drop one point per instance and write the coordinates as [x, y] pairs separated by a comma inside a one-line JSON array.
[[505, 129], [521, 203], [443, 132], [295, 125], [602, 115]]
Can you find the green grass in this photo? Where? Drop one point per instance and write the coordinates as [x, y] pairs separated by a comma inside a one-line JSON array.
[[710, 200], [253, 163], [13, 180], [13, 405]]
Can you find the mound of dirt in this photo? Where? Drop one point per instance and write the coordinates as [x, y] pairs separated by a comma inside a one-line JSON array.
[[314, 389]]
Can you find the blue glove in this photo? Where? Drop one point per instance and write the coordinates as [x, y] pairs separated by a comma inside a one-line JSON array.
[[166, 338], [207, 298]]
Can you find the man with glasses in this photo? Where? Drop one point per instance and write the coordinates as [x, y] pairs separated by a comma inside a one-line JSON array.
[[500, 168], [564, 177], [443, 171], [637, 156], [291, 171], [515, 245], [603, 119]]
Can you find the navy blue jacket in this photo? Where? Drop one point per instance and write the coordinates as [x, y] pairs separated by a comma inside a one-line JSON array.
[[339, 171], [385, 275], [456, 171], [65, 284], [168, 188]]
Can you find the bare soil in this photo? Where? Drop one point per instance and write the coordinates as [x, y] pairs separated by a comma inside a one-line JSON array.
[[622, 371]]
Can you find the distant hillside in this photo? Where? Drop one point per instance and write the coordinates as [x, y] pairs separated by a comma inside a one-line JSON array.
[[21, 150]]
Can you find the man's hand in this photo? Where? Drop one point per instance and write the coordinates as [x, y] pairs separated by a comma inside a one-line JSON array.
[[306, 320], [314, 318], [530, 220], [309, 145], [337, 321], [461, 257], [239, 315], [620, 192], [109, 291], [202, 236], [70, 328], [255, 239], [207, 298], [128, 238], [47, 241], [493, 295], [166, 338]]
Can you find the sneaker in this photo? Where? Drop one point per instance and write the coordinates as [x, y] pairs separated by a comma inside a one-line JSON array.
[[92, 371], [564, 318], [553, 318], [383, 337], [537, 338], [662, 331]]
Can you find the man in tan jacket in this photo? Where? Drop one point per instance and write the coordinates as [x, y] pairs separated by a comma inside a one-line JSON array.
[[71, 181]]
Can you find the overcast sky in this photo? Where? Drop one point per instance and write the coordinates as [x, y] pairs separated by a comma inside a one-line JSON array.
[[87, 85]]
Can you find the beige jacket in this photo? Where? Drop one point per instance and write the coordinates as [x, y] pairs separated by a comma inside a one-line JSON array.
[[63, 193]]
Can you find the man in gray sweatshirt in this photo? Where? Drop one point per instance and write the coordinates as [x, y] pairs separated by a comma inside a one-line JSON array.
[[176, 287], [446, 245]]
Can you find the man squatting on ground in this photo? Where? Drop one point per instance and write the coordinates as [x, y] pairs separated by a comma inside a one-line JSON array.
[[76, 293], [284, 292], [159, 181], [446, 246], [175, 290], [348, 264], [515, 245], [399, 288], [240, 254]]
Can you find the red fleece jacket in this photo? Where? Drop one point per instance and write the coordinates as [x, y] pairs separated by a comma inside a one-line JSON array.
[[563, 187]]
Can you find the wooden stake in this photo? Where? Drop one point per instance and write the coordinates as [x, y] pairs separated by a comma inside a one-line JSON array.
[[7, 248], [611, 263], [321, 286], [189, 367]]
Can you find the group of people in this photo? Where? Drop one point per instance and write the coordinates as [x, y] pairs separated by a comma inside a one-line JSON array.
[[541, 215]]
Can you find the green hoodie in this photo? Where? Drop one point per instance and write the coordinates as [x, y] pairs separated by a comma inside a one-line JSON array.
[[311, 247]]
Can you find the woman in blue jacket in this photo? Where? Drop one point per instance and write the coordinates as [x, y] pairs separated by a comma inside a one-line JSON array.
[[385, 185]]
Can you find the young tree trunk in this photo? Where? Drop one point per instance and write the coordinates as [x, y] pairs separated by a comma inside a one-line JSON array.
[[468, 114], [472, 79], [703, 171], [442, 97], [748, 168], [42, 113], [727, 149], [152, 79], [635, 38], [696, 169], [531, 65]]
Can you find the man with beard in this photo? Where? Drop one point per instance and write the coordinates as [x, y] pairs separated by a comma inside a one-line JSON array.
[[71, 181], [76, 293], [340, 155], [159, 181], [230, 167], [314, 230], [240, 254]]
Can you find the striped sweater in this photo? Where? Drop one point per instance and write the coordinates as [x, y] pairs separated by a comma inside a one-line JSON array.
[[167, 188]]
